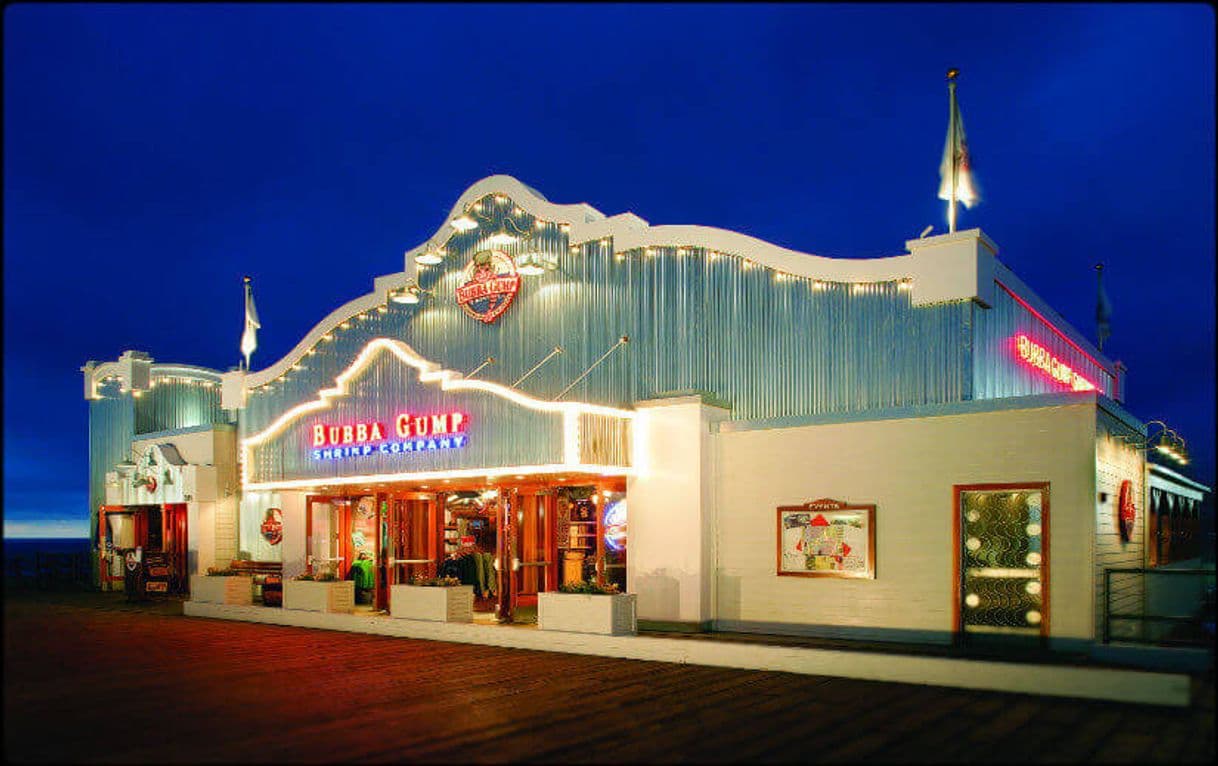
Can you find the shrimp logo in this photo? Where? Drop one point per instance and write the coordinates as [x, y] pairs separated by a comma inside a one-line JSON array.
[[491, 283]]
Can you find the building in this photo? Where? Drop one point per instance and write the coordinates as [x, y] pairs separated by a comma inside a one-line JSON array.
[[909, 448]]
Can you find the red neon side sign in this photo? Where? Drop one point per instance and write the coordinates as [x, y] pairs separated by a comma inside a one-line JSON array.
[[1038, 357]]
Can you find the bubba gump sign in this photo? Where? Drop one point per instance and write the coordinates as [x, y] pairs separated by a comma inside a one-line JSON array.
[[491, 284], [408, 433]]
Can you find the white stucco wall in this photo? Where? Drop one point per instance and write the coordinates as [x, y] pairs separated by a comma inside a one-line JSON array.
[[907, 468]]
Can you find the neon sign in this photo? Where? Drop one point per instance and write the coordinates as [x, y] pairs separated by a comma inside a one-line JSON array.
[[417, 433], [1038, 357], [491, 284], [614, 522]]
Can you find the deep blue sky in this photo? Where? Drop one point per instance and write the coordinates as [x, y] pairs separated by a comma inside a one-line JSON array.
[[153, 154]]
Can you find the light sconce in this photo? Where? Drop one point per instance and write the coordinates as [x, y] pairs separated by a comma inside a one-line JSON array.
[[410, 293], [430, 257], [1166, 442]]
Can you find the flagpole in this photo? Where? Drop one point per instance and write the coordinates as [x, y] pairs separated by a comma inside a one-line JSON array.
[[951, 117]]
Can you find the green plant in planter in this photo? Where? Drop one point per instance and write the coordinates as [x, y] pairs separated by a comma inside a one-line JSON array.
[[306, 577], [327, 577], [216, 572], [435, 582], [589, 587]]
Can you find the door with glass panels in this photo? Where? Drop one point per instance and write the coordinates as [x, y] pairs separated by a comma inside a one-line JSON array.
[[1002, 560]]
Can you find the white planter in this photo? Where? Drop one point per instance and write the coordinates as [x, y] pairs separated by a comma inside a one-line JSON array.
[[588, 613], [237, 589], [314, 596], [416, 602]]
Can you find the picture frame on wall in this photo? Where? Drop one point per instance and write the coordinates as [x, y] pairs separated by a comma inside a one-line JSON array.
[[826, 538]]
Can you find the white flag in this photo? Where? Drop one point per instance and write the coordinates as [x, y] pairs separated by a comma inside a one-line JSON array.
[[249, 338], [956, 164]]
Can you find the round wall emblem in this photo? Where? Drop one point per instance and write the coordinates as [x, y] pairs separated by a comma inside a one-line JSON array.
[[490, 286], [272, 526]]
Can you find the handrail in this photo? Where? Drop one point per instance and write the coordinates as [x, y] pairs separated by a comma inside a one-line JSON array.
[[1196, 619]]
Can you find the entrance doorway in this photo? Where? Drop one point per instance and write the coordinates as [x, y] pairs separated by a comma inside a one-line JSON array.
[[509, 540], [413, 540], [1002, 562], [160, 534]]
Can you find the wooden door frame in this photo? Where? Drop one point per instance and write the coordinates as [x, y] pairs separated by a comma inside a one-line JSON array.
[[957, 580]]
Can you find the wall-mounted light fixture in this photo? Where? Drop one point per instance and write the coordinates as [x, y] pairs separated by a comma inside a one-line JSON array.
[[409, 293], [1165, 441]]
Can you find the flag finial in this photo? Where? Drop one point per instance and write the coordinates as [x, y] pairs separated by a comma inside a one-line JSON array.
[[952, 74], [246, 280]]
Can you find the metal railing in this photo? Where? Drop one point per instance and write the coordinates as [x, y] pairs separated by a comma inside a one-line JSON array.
[[1161, 607], [49, 571]]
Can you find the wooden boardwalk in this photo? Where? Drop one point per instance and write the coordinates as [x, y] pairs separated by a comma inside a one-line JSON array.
[[91, 679]]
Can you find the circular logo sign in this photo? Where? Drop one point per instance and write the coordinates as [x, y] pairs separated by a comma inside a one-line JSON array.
[[1126, 510], [272, 526], [133, 561], [490, 286]]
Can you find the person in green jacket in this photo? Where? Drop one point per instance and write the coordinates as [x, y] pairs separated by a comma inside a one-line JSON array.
[[365, 578]]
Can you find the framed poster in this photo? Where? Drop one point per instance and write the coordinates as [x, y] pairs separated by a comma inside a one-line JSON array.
[[826, 538]]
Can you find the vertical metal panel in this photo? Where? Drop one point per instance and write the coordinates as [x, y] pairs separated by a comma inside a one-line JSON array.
[[111, 429], [178, 403], [998, 371], [769, 346]]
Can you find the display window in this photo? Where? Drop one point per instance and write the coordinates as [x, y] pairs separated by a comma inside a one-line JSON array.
[[1002, 560]]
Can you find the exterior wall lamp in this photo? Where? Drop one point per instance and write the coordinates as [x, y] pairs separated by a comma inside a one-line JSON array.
[[410, 293], [1165, 441]]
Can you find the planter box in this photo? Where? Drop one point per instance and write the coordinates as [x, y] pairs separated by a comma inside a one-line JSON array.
[[416, 602], [587, 613], [237, 589], [314, 596]]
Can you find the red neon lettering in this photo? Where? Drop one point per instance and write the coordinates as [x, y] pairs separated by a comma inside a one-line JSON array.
[[403, 424], [458, 422], [361, 432], [319, 435], [336, 433], [377, 433], [420, 426], [1038, 357], [348, 434]]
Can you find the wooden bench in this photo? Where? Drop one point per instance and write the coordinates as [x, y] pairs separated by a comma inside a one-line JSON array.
[[268, 579]]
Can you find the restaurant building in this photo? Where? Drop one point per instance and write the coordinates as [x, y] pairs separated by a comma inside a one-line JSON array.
[[748, 438]]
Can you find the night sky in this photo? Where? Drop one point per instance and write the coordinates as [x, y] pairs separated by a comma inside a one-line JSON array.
[[154, 154]]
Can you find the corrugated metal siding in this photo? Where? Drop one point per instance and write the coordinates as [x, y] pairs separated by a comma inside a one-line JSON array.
[[178, 403], [111, 429], [998, 371], [697, 321], [500, 432]]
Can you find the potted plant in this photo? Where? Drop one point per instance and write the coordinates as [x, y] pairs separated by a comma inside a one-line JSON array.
[[440, 599], [222, 586], [319, 593], [587, 607]]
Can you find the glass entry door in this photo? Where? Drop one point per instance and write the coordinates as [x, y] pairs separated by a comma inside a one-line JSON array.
[[1002, 557], [413, 536]]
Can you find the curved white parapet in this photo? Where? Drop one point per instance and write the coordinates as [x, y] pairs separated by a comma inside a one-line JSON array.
[[135, 371], [950, 267]]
